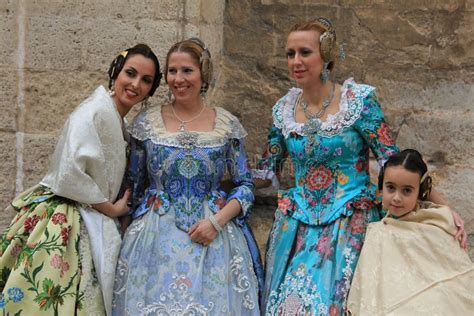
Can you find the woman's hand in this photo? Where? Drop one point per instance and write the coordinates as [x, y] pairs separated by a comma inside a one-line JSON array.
[[203, 232], [121, 205], [461, 234]]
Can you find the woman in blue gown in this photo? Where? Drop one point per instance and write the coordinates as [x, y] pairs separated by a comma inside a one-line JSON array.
[[188, 249]]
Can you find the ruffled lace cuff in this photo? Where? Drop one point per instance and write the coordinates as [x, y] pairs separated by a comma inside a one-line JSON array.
[[266, 175], [244, 196]]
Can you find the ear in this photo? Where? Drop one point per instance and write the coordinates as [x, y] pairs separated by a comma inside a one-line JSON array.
[[425, 188]]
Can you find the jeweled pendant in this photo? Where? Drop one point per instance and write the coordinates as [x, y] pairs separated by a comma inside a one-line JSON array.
[[187, 139], [312, 126]]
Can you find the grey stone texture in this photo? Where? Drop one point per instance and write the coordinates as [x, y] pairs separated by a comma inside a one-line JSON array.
[[419, 55]]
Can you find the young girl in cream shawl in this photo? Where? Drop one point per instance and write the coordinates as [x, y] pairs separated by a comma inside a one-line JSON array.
[[410, 263]]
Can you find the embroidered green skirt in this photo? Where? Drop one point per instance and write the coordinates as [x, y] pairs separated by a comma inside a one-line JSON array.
[[45, 260]]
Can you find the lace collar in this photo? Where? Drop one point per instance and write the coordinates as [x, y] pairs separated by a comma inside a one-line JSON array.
[[148, 124], [350, 107]]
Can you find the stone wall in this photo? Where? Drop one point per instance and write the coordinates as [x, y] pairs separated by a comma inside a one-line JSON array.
[[419, 55]]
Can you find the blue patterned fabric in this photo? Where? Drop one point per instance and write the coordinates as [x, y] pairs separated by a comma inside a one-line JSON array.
[[160, 270], [320, 222]]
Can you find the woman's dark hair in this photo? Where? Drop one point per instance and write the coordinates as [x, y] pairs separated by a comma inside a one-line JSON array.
[[411, 160], [139, 49]]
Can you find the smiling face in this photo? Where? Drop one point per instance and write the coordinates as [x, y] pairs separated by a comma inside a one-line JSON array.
[[183, 76], [303, 56], [134, 82], [400, 190]]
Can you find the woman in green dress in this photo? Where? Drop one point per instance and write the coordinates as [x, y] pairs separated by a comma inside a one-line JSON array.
[[58, 255]]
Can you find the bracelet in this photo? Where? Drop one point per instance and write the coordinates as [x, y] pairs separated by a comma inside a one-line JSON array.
[[214, 223]]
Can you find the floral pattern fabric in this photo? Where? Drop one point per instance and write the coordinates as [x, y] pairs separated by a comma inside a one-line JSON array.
[[320, 222], [160, 270], [46, 266]]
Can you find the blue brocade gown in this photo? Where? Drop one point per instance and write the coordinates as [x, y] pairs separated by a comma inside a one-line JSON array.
[[320, 222], [176, 178]]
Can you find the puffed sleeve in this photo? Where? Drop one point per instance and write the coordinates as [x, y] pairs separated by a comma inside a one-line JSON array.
[[136, 176], [375, 131], [238, 166]]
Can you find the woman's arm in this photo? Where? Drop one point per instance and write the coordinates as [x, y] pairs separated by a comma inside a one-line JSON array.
[[116, 209]]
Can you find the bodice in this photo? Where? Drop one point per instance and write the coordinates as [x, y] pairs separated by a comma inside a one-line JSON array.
[[187, 174]]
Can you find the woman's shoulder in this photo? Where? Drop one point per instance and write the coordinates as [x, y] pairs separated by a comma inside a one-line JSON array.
[[147, 123], [228, 125], [284, 106], [96, 110], [352, 90]]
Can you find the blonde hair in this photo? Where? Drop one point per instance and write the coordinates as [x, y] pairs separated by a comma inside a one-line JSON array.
[[199, 53]]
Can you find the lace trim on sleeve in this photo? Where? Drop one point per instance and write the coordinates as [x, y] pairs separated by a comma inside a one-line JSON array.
[[266, 175]]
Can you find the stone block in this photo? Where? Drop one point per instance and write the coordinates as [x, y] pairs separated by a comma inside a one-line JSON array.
[[8, 33], [191, 30], [469, 5], [436, 95], [7, 175], [8, 99], [37, 150], [447, 136], [456, 183], [212, 11], [211, 34], [121, 9], [54, 42], [102, 43], [89, 43], [52, 96], [464, 41], [422, 5], [192, 10]]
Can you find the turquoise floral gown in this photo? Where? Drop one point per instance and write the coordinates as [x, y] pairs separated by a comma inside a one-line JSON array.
[[320, 222], [176, 179]]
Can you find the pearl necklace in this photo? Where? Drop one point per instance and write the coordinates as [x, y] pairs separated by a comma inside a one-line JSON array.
[[326, 103], [182, 127]]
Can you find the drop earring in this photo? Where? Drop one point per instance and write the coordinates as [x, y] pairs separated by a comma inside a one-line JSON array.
[[325, 72]]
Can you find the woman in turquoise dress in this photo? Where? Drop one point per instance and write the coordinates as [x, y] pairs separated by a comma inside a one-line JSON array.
[[328, 131], [188, 250]]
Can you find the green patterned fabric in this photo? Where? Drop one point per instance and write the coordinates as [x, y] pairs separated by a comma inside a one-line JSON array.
[[45, 262]]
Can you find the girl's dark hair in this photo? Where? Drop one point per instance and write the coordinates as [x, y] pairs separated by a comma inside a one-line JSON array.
[[411, 160], [139, 49]]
